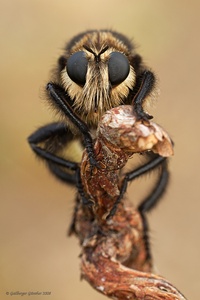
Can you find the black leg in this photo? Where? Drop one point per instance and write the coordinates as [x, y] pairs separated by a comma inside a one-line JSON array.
[[154, 163], [146, 235], [152, 199], [62, 174], [79, 185], [63, 103], [156, 194], [54, 137], [150, 202], [146, 86], [72, 227]]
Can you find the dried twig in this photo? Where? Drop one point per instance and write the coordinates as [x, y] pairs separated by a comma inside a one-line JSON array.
[[113, 258]]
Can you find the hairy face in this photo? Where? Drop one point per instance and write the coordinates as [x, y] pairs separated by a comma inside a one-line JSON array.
[[96, 73]]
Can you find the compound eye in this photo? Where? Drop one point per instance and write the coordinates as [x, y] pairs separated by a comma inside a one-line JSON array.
[[77, 67], [118, 68]]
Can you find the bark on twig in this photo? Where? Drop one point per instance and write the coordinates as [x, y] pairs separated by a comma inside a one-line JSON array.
[[114, 259]]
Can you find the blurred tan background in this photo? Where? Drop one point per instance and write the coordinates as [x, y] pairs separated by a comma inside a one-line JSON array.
[[36, 254]]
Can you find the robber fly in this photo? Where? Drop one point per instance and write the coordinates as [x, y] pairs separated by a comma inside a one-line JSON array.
[[99, 70], [101, 74]]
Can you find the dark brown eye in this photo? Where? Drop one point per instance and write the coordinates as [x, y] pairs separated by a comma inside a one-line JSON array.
[[118, 68], [77, 67]]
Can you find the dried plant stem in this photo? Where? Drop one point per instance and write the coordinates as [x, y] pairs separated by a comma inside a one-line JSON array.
[[114, 258]]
